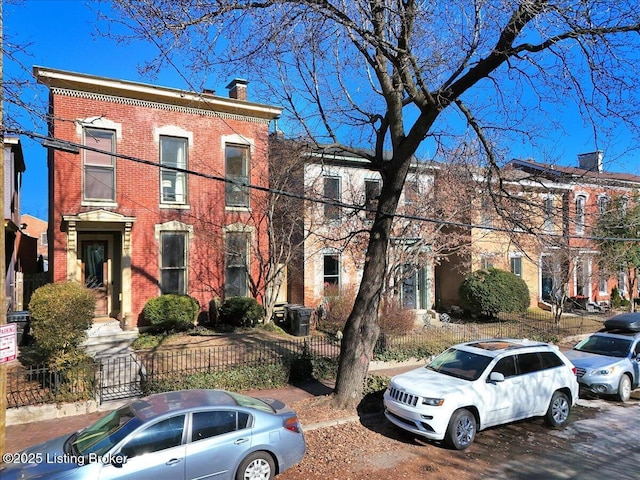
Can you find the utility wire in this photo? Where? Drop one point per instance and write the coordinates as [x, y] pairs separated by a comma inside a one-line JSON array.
[[76, 146]]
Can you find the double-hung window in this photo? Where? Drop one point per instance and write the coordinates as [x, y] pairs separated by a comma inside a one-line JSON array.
[[236, 278], [580, 213], [603, 204], [332, 209], [331, 274], [173, 257], [516, 266], [237, 175], [173, 182], [99, 166]]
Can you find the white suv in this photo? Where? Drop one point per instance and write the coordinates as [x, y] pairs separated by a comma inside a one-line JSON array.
[[479, 384]]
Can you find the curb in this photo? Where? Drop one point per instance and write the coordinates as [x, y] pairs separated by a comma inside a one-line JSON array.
[[330, 423]]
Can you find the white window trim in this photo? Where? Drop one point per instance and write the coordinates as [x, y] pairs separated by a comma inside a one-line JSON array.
[[331, 252], [239, 228], [580, 229], [172, 131], [236, 139], [99, 123], [519, 255], [184, 135], [176, 227]]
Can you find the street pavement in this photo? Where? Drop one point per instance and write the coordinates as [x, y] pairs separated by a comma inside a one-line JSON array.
[[18, 437]]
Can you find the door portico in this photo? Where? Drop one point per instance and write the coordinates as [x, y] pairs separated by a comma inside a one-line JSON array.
[[98, 253]]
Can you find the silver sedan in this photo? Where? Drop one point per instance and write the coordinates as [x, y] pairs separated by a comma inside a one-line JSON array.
[[187, 434]]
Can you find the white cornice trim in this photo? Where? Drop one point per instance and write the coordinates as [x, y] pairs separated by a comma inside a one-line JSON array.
[[160, 106], [171, 98]]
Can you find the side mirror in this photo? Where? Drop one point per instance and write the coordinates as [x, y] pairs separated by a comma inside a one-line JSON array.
[[496, 377]]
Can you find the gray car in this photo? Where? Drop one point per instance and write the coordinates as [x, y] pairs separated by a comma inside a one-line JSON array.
[[608, 362], [187, 434]]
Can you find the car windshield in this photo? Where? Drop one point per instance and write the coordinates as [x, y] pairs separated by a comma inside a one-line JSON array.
[[103, 435], [460, 364], [604, 345]]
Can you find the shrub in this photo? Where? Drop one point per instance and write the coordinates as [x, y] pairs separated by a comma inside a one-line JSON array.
[[60, 315], [236, 379], [171, 313], [395, 320], [617, 300], [338, 305], [241, 312], [493, 291]]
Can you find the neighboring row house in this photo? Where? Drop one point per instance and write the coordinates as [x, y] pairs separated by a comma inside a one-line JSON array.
[[148, 190], [19, 248], [590, 192], [336, 203], [541, 228]]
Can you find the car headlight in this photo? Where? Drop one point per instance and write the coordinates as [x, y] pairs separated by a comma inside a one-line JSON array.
[[433, 402], [603, 371]]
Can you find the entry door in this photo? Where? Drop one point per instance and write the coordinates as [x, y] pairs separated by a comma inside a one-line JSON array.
[[96, 273]]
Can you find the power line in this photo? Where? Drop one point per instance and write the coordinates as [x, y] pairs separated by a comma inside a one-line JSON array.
[[66, 145]]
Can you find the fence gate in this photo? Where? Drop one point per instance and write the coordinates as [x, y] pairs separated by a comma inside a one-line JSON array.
[[120, 377]]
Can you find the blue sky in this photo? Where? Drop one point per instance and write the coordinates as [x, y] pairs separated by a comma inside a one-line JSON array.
[[61, 34]]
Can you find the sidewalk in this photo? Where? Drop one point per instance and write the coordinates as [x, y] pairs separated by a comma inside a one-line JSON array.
[[18, 437]]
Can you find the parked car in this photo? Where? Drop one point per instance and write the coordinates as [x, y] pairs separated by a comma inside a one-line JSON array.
[[608, 362], [172, 436], [476, 385]]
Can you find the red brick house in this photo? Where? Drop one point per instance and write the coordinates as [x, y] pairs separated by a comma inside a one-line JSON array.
[[589, 194], [148, 190]]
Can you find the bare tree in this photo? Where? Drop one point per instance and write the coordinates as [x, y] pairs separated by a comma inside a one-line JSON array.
[[618, 229], [390, 74]]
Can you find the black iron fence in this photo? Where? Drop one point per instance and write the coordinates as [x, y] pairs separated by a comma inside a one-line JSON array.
[[124, 376]]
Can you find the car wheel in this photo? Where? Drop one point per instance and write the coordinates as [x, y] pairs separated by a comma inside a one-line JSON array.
[[257, 466], [461, 430], [559, 409], [624, 388]]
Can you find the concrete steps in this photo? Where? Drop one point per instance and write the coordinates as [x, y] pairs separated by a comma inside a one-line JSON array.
[[105, 339], [120, 371]]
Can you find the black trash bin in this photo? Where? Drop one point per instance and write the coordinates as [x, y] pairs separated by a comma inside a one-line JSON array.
[[290, 319], [302, 322], [21, 319]]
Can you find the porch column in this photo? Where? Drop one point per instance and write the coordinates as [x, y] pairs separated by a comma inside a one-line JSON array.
[[127, 317], [73, 268]]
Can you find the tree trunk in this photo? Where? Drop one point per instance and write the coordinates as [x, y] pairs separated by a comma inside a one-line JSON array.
[[361, 330]]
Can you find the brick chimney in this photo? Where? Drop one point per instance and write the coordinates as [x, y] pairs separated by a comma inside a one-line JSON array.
[[238, 88], [591, 161]]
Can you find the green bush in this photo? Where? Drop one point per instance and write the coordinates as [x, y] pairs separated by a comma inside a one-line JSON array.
[[493, 291], [236, 379], [60, 315], [375, 384], [241, 312], [617, 300], [171, 313]]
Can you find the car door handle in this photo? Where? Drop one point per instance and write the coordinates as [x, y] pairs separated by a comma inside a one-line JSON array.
[[173, 461], [241, 441]]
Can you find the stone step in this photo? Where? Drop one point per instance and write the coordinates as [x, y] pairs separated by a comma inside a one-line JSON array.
[[105, 339]]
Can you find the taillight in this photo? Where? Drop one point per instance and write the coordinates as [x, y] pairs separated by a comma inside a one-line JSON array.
[[575, 371], [292, 424]]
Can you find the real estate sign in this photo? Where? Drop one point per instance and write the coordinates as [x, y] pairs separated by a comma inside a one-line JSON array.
[[8, 342]]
